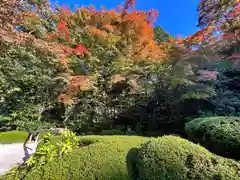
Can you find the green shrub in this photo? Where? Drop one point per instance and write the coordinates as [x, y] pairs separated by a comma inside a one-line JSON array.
[[174, 158], [220, 134], [90, 133], [112, 132], [13, 137], [100, 157]]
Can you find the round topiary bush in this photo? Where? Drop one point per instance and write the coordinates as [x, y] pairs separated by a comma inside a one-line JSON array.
[[174, 158], [220, 134]]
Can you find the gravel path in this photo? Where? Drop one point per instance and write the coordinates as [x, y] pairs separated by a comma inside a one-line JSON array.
[[12, 154]]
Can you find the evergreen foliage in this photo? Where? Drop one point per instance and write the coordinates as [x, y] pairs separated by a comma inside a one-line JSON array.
[[171, 157], [220, 134]]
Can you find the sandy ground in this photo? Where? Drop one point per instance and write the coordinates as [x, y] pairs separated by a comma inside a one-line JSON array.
[[12, 154]]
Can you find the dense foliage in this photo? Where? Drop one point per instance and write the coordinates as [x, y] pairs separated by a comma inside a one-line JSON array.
[[27, 79], [90, 69], [220, 134], [223, 16], [227, 99], [171, 157], [160, 35]]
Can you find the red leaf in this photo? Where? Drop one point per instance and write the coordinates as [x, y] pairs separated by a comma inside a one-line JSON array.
[[68, 49], [62, 26], [81, 49], [51, 35], [65, 99]]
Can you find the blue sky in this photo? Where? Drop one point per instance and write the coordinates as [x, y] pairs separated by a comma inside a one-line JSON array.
[[175, 16]]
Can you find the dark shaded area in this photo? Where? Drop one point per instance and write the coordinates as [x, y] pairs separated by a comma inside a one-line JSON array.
[[131, 162], [157, 117], [86, 142]]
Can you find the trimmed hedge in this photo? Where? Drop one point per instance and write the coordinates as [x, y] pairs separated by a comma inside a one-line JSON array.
[[13, 137], [112, 132], [174, 158], [101, 158], [220, 134]]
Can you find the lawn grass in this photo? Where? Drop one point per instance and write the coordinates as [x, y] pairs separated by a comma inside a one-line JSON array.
[[10, 137]]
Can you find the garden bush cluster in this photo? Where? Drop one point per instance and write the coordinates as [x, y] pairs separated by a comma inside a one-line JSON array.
[[134, 157], [170, 157], [103, 159], [220, 134]]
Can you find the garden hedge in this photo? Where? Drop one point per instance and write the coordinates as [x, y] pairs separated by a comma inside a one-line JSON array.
[[220, 134], [103, 159], [112, 132], [174, 158]]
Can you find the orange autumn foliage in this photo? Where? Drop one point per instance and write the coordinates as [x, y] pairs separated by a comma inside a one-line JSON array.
[[135, 38], [75, 83], [133, 28], [65, 99], [197, 37], [79, 83], [117, 78], [95, 32], [108, 27]]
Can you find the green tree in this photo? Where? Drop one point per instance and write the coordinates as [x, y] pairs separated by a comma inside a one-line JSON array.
[[160, 35]]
